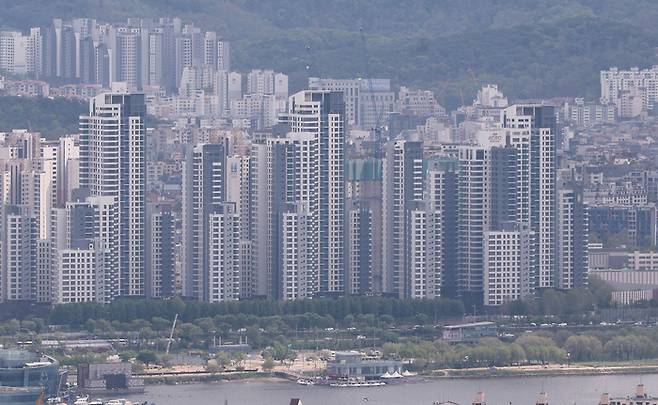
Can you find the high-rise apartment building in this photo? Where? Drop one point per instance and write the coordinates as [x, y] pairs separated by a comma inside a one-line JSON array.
[[19, 250], [350, 89], [204, 180], [128, 57], [473, 218], [19, 222], [224, 55], [80, 275], [631, 91], [423, 264], [441, 191], [363, 213], [402, 190], [508, 263], [112, 164], [224, 253], [85, 250], [572, 238], [293, 216], [540, 167], [160, 258], [358, 248], [322, 113], [21, 54]]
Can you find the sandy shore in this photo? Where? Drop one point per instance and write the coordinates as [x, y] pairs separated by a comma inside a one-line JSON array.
[[194, 374]]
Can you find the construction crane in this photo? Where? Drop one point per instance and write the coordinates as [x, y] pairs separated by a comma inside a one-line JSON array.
[[310, 62], [377, 127], [475, 80], [476, 84], [171, 334], [369, 81]]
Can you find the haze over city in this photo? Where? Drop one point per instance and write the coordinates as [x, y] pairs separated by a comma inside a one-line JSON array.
[[372, 198]]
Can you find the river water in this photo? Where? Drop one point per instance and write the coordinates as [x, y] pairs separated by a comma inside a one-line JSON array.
[[567, 390]]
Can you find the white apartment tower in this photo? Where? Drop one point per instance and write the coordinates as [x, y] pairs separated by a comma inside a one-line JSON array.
[[297, 277], [224, 258], [128, 57], [293, 216], [508, 262], [224, 55], [631, 91], [210, 49], [540, 121], [473, 217], [86, 250], [80, 275], [322, 113], [21, 54], [19, 229], [423, 257], [112, 164]]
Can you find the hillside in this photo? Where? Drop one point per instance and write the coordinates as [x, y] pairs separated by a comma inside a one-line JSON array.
[[51, 117], [530, 48]]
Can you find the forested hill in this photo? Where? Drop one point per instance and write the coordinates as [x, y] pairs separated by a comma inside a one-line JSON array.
[[531, 48], [51, 117]]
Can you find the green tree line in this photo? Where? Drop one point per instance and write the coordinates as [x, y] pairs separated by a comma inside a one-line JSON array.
[[529, 348], [126, 310], [51, 117]]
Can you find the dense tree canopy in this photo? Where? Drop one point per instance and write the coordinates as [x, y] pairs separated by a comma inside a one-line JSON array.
[[51, 117], [312, 310]]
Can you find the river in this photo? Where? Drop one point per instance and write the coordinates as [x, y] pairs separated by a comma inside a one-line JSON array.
[[567, 390]]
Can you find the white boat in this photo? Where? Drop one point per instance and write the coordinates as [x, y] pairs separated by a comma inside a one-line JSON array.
[[304, 381], [357, 384], [81, 401]]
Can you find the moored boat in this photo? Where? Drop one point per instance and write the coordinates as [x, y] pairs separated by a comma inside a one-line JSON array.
[[356, 384]]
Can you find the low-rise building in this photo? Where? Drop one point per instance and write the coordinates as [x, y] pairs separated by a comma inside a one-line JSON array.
[[353, 365], [108, 377], [628, 297], [469, 332], [26, 376]]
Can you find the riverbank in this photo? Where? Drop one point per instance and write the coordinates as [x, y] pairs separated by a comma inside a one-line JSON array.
[[545, 370], [482, 372], [200, 377]]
